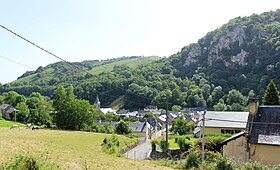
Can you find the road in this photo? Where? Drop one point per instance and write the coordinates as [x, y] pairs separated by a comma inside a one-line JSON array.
[[141, 151]]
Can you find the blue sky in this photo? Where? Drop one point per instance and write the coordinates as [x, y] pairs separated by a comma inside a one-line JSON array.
[[101, 29]]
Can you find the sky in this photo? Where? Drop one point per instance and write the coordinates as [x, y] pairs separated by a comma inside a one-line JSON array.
[[78, 30]]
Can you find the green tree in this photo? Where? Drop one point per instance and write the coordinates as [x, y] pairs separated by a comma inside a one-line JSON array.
[[180, 126], [23, 112], [59, 106], [71, 113], [271, 96], [112, 117], [150, 115], [39, 109], [217, 93], [176, 108], [2, 99], [11, 98], [122, 127], [234, 96], [163, 99], [220, 106]]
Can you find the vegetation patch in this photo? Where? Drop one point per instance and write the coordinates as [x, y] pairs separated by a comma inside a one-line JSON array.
[[27, 162], [7, 123]]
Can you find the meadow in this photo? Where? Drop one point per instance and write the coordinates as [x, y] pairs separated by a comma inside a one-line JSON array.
[[6, 123], [130, 63], [67, 149]]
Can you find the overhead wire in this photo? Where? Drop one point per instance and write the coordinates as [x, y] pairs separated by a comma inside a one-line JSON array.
[[16, 62], [237, 121], [69, 63]]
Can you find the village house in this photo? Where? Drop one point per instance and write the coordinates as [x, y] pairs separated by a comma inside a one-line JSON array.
[[222, 122], [261, 139], [141, 129], [6, 111]]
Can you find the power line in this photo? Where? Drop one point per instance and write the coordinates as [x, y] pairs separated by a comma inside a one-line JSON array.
[[52, 54], [16, 62], [237, 121]]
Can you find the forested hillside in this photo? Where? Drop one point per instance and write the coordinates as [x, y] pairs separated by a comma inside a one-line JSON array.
[[219, 72]]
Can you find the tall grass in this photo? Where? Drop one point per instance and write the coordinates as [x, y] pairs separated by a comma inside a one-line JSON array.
[[67, 149]]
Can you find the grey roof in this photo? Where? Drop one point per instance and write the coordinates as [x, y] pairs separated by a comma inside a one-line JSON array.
[[266, 126], [4, 106], [225, 119], [134, 126], [138, 126], [7, 108], [194, 109], [234, 137]]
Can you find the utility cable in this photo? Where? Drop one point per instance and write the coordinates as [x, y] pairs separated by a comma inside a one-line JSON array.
[[236, 121], [16, 62], [52, 54]]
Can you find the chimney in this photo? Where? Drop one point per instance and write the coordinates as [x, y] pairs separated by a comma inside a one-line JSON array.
[[253, 109], [253, 105]]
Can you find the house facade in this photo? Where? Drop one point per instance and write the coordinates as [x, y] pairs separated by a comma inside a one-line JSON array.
[[261, 139]]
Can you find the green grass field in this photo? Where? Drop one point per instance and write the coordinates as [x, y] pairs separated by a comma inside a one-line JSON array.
[[130, 62], [6, 123], [68, 149]]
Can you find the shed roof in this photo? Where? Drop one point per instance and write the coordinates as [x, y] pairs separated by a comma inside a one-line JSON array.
[[234, 137]]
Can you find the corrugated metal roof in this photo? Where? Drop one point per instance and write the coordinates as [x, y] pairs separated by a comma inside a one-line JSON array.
[[225, 119]]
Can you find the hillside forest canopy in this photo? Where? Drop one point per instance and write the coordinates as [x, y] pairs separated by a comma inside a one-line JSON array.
[[210, 73]]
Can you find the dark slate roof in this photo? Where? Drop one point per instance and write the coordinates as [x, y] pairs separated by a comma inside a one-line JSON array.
[[266, 126], [138, 126]]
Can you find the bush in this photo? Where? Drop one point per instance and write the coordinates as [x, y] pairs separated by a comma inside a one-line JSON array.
[[154, 144], [0, 115], [276, 167], [207, 166], [250, 165], [225, 163], [122, 127], [212, 143], [183, 144], [211, 156], [163, 145], [193, 160], [111, 144], [22, 162], [218, 134], [107, 128]]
